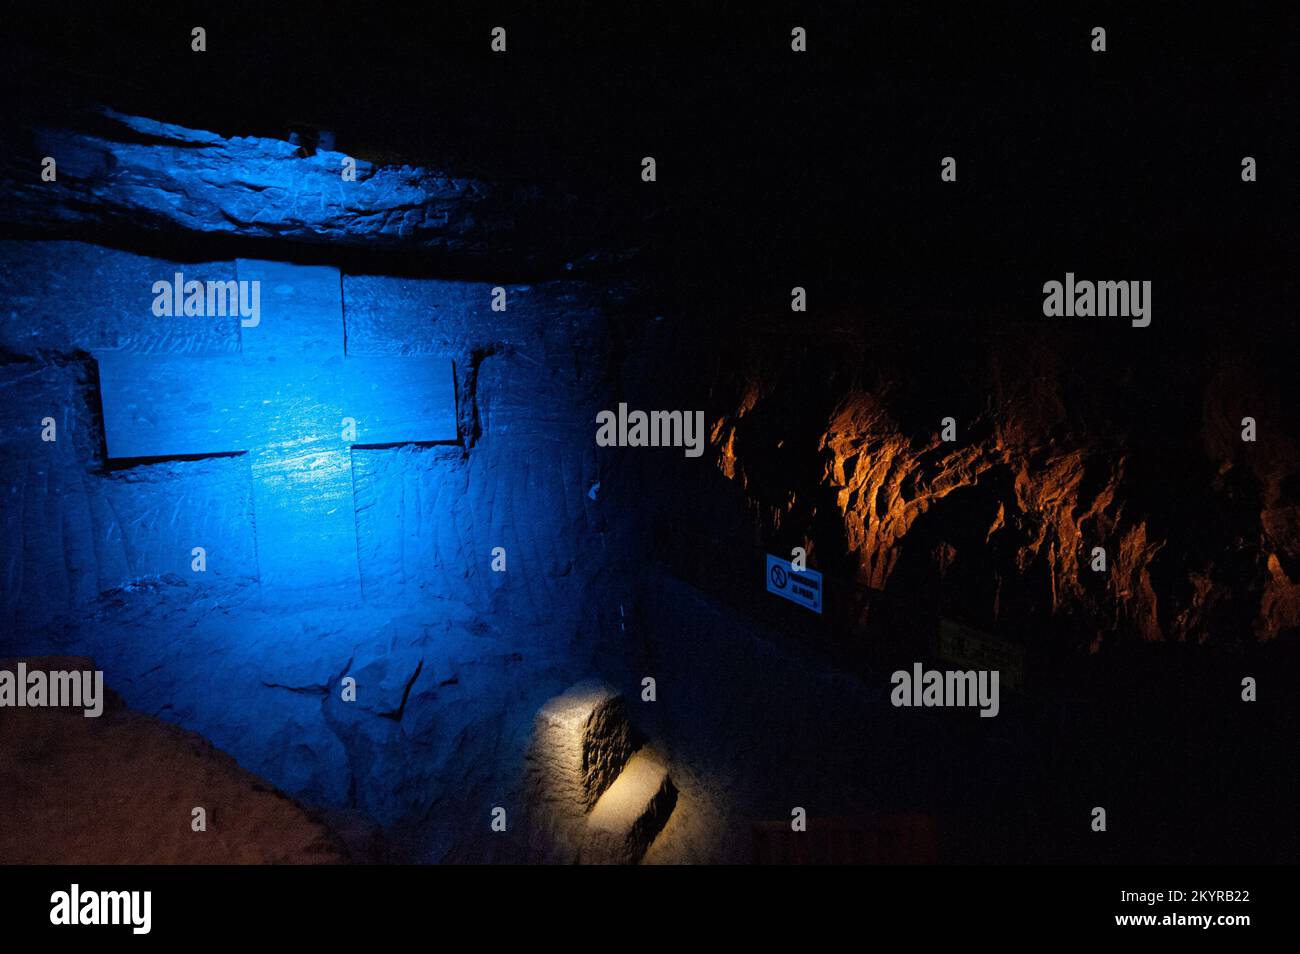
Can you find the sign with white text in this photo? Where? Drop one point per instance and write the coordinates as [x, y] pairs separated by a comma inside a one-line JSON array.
[[798, 586]]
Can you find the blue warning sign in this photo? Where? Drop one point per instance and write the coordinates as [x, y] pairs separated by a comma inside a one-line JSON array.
[[799, 586]]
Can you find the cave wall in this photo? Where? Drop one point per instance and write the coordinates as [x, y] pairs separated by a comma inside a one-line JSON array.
[[450, 657], [1063, 443], [526, 381]]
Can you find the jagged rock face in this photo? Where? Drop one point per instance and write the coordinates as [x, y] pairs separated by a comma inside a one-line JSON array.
[[884, 483], [998, 526], [1272, 469], [121, 788], [137, 172]]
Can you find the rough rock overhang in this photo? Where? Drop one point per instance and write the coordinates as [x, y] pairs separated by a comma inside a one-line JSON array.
[[121, 170]]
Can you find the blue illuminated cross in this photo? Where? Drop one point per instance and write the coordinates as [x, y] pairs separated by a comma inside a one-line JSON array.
[[283, 400]]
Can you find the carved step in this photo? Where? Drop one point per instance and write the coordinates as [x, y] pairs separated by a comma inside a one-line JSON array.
[[631, 812]]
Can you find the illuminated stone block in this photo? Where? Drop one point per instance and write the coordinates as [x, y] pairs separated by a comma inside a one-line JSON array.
[[601, 799], [582, 741], [296, 403]]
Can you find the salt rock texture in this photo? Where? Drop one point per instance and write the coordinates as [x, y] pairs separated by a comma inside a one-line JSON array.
[[435, 738], [121, 170], [451, 659], [528, 383], [1200, 529], [120, 789], [582, 742]]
